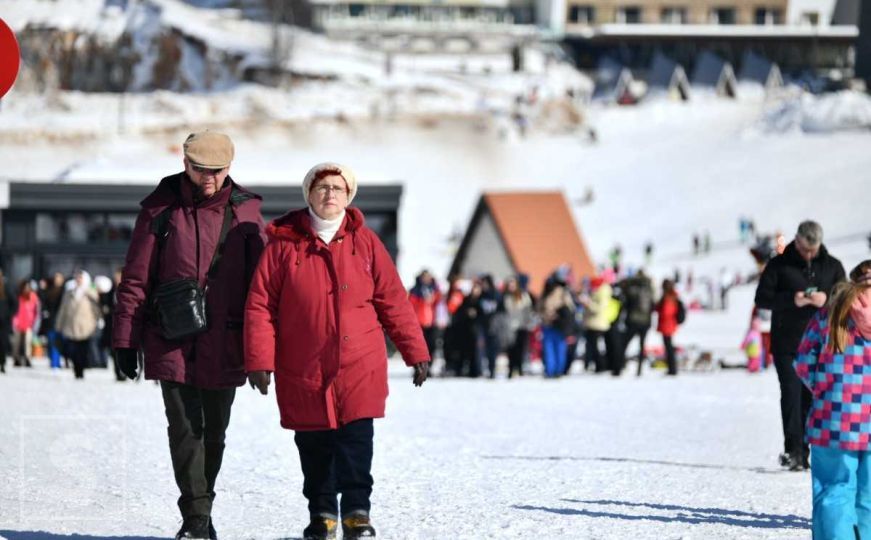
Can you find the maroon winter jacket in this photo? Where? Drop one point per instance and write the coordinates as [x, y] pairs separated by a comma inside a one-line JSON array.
[[314, 316], [212, 359]]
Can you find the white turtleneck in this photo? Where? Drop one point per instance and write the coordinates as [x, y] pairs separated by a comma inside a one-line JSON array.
[[326, 229]]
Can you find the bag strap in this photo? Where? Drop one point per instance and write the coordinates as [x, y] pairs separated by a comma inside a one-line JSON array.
[[219, 251]]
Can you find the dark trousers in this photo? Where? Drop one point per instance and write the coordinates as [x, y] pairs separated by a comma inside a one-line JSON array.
[[592, 356], [4, 347], [491, 351], [633, 330], [670, 358], [795, 402], [79, 355], [337, 461], [198, 421], [430, 335], [614, 348], [517, 352]]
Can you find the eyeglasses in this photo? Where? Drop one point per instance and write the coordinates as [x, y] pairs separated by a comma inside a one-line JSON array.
[[325, 189], [206, 170]]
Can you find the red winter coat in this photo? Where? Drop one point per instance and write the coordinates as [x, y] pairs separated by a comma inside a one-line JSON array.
[[212, 359], [315, 315], [667, 311]]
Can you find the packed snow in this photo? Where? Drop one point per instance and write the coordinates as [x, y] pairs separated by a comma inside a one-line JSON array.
[[582, 457]]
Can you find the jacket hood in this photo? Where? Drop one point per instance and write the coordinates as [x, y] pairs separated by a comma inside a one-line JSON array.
[[296, 225]]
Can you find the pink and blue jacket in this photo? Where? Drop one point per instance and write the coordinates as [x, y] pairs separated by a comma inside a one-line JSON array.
[[840, 415]]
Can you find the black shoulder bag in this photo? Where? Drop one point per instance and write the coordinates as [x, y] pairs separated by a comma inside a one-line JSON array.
[[179, 306]]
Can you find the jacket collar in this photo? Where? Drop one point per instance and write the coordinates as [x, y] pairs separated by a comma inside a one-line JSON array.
[[792, 253], [176, 189], [296, 225]]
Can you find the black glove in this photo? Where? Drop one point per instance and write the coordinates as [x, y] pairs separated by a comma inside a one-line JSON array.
[[420, 372], [128, 361]]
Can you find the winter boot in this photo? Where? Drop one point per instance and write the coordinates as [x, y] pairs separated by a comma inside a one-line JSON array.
[[356, 525], [212, 534], [194, 527], [783, 459], [321, 528], [794, 462]]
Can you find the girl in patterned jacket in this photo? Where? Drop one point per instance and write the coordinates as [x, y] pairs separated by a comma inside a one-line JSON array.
[[834, 362]]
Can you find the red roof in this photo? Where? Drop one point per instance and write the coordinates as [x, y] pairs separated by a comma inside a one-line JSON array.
[[539, 234]]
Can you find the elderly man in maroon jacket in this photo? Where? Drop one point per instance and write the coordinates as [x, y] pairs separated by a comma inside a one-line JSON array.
[[201, 229]]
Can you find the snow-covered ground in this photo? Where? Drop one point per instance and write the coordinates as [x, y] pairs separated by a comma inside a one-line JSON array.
[[583, 457]]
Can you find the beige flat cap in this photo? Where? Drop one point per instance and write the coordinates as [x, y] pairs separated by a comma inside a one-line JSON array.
[[209, 149]]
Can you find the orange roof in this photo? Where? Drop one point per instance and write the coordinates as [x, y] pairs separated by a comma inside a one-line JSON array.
[[539, 234]]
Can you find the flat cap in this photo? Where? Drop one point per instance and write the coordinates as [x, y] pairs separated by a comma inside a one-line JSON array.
[[209, 149]]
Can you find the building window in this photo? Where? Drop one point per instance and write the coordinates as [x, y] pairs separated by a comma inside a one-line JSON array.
[[356, 10], [629, 15], [768, 16], [674, 15], [582, 14], [723, 16]]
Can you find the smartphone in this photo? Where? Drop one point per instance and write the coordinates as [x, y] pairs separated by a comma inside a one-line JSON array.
[[809, 291]]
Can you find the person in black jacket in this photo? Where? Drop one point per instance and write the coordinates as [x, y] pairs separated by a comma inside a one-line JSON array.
[[794, 285], [8, 307]]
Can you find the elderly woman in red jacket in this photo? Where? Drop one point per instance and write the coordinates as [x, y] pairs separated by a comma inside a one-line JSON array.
[[323, 292]]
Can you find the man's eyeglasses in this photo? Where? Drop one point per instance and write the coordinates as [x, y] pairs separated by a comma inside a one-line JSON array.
[[325, 189], [206, 170]]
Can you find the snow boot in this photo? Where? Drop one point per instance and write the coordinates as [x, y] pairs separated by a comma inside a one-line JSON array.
[[321, 528], [194, 527], [795, 462], [356, 525]]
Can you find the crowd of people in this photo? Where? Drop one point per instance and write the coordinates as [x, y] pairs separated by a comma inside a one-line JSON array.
[[65, 318], [476, 320]]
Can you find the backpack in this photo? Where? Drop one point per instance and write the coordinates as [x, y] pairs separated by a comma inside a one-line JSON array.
[[681, 312]]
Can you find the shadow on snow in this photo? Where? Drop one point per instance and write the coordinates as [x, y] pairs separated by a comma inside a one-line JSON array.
[[44, 535], [760, 470], [685, 514]]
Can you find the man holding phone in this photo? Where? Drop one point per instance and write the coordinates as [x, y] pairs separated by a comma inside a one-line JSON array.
[[794, 285]]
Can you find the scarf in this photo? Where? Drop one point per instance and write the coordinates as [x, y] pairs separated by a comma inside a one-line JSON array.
[[326, 228]]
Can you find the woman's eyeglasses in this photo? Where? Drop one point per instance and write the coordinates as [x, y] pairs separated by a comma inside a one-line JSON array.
[[325, 189]]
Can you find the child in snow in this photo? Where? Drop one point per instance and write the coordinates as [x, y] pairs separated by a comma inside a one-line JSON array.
[[833, 362], [752, 346]]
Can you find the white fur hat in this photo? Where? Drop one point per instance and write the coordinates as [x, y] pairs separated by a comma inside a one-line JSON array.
[[335, 168]]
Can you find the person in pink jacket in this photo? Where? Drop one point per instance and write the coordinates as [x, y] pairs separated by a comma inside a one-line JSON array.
[[323, 293], [24, 323]]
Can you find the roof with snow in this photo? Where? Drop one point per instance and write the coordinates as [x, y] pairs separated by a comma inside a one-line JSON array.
[[522, 232], [713, 72]]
